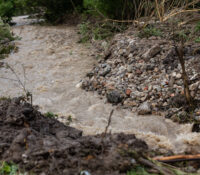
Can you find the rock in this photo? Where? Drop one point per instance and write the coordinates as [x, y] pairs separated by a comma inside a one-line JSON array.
[[104, 44], [144, 70], [151, 52], [194, 86], [79, 85], [128, 92], [174, 74], [129, 68], [178, 76], [197, 118], [144, 109], [105, 71], [129, 103], [114, 97]]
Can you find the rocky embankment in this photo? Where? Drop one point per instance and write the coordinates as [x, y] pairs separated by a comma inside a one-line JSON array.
[[144, 75]]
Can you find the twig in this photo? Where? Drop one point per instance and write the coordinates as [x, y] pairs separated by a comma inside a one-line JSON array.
[[24, 75], [109, 122], [180, 53], [8, 79], [177, 158], [105, 132], [28, 95], [18, 79]]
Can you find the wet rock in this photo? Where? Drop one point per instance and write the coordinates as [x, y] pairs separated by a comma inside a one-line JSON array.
[[114, 97], [144, 109]]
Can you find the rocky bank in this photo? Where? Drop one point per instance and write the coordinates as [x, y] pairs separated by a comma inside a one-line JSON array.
[[144, 74]]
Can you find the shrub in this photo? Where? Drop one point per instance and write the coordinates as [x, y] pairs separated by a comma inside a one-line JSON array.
[[5, 38], [116, 9], [55, 10], [5, 33], [6, 9]]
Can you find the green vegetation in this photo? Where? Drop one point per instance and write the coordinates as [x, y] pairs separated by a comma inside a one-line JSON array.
[[69, 120], [5, 33], [5, 38], [10, 8], [9, 169], [50, 115], [55, 11], [197, 40], [6, 10], [139, 171], [98, 30], [149, 31], [115, 9], [197, 31], [197, 27]]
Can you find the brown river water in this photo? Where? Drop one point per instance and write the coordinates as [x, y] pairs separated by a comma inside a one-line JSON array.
[[54, 64]]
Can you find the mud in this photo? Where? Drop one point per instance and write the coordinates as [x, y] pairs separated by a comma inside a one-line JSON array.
[[46, 146]]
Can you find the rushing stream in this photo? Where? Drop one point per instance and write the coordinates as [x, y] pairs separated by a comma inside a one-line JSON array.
[[53, 63]]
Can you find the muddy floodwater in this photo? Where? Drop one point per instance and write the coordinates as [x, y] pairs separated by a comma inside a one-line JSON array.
[[52, 64]]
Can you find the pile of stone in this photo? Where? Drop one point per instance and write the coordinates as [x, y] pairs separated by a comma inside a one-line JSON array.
[[144, 74]]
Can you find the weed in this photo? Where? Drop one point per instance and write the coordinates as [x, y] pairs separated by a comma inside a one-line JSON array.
[[139, 171], [5, 37], [98, 30], [5, 32], [4, 98], [197, 40], [84, 32], [197, 27], [69, 120], [180, 35], [51, 115], [9, 169], [149, 31]]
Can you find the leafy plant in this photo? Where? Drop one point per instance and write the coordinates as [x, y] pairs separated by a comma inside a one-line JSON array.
[[50, 115], [6, 10], [9, 169], [69, 120], [5, 38], [5, 32]]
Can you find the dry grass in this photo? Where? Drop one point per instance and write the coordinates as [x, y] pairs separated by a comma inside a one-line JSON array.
[[163, 10]]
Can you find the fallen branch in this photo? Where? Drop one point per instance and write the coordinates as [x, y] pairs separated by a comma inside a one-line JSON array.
[[177, 158]]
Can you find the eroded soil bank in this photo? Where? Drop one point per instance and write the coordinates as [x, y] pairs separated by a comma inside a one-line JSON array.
[[54, 64], [44, 145]]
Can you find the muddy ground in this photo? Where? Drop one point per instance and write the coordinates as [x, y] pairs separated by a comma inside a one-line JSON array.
[[44, 145]]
